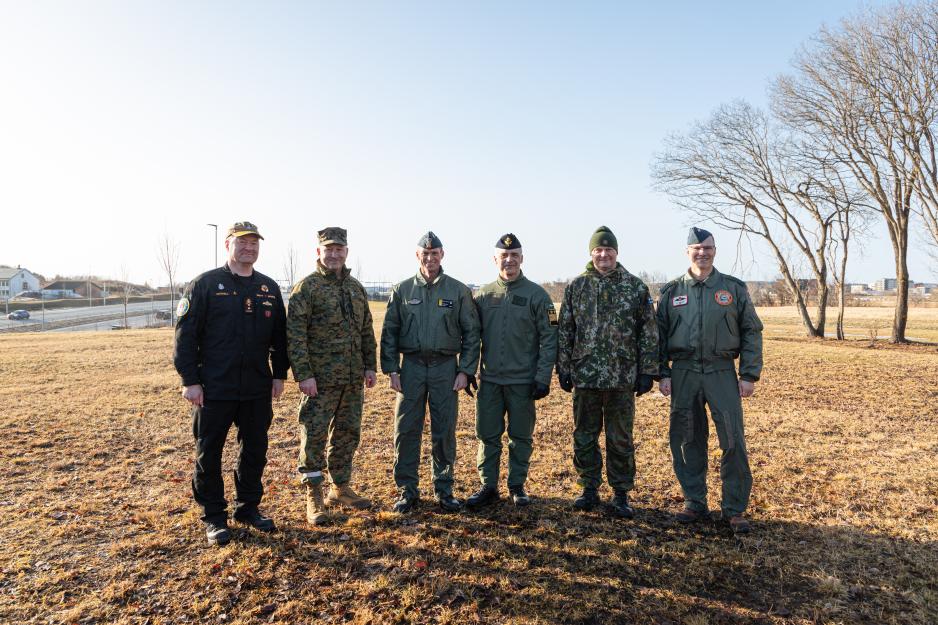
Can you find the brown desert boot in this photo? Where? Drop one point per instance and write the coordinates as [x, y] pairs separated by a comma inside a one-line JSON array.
[[739, 524], [343, 495], [315, 508], [688, 515]]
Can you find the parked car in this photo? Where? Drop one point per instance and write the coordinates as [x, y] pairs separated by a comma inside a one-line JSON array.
[[163, 314], [18, 315]]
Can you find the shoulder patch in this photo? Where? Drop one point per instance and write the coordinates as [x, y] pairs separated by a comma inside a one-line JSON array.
[[182, 307], [552, 314]]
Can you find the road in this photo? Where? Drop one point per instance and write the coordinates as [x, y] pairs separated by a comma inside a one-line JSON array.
[[72, 316]]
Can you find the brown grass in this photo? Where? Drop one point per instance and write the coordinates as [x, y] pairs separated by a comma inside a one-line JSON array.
[[98, 523]]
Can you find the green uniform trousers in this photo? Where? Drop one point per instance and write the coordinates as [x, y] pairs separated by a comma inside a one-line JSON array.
[[334, 414], [689, 431], [493, 401], [614, 408], [422, 384]]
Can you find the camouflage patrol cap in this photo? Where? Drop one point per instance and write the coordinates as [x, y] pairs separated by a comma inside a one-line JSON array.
[[333, 235], [603, 237], [429, 241], [508, 242], [241, 228], [697, 235]]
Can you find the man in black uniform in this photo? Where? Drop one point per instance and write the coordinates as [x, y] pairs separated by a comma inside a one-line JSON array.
[[231, 328]]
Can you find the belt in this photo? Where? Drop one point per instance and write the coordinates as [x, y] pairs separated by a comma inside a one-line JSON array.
[[429, 360]]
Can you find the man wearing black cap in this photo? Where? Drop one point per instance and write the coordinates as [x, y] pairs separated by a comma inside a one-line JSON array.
[[432, 322], [519, 349], [608, 355], [706, 320], [231, 328]]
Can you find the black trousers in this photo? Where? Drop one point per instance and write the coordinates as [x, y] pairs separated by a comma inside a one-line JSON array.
[[210, 425]]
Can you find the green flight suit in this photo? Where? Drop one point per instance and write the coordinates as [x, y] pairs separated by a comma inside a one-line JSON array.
[[330, 337], [435, 327], [607, 337], [703, 327], [519, 347]]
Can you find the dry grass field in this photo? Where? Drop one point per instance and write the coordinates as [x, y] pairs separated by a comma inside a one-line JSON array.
[[97, 524]]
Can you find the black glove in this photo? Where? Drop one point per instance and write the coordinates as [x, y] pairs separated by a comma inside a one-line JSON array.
[[471, 385], [539, 391], [566, 382], [643, 384]]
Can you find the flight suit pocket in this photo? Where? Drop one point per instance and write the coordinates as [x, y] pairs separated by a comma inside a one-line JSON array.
[[450, 340], [678, 342], [726, 343], [409, 341]]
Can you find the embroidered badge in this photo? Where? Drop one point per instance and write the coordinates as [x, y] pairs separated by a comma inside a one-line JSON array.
[[264, 288], [267, 313], [248, 305], [414, 302], [723, 298], [183, 307], [444, 303], [680, 300], [221, 287], [266, 303], [552, 315]]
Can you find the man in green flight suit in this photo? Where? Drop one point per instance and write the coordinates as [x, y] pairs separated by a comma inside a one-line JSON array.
[[519, 349], [706, 320], [432, 322], [331, 342], [608, 355]]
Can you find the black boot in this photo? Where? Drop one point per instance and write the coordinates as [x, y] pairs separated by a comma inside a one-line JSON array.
[[620, 505], [587, 501], [484, 496]]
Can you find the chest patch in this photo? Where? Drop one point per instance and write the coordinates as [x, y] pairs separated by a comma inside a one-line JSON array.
[[413, 302], [264, 288], [266, 303], [444, 303], [248, 305], [517, 300], [680, 300], [723, 297]]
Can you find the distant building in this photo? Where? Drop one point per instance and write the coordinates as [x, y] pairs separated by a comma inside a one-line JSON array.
[[885, 284], [858, 288], [72, 288], [16, 280]]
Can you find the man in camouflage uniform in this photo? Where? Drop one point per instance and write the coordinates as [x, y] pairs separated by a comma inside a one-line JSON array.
[[519, 349], [706, 320], [432, 321], [608, 355], [331, 343]]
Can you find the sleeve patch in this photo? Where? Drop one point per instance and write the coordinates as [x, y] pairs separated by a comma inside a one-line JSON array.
[[183, 307], [552, 315]]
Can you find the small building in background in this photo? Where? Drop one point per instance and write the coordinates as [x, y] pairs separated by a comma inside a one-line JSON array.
[[16, 280], [65, 289]]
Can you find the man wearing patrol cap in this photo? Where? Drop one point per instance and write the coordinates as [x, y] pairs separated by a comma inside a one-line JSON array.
[[706, 321], [432, 322], [608, 355], [519, 349], [230, 330], [332, 351]]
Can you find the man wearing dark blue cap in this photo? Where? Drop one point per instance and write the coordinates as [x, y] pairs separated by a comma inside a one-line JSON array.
[[705, 322], [430, 351]]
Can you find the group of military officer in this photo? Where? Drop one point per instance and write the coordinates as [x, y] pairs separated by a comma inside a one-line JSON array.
[[608, 344]]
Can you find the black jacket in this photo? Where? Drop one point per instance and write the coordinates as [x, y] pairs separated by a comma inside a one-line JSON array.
[[229, 331]]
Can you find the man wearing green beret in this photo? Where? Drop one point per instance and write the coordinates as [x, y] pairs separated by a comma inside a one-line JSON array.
[[430, 351], [608, 355], [332, 349], [519, 349], [706, 321]]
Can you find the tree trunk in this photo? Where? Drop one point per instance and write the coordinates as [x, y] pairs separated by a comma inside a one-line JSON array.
[[902, 300], [842, 294]]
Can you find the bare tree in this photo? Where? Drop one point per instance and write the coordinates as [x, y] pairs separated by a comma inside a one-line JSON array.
[[290, 264], [125, 291], [867, 90], [743, 172], [168, 254]]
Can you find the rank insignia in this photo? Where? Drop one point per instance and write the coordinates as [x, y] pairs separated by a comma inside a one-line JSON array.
[[507, 241], [680, 300], [444, 303], [723, 298]]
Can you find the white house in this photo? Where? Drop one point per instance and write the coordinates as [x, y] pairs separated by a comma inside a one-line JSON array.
[[16, 280]]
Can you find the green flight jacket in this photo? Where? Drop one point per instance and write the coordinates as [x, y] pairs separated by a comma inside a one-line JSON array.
[[519, 332], [608, 335], [330, 332], [430, 320], [704, 326]]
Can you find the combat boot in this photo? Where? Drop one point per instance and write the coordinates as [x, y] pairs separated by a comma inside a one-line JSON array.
[[620, 505], [484, 496], [315, 507], [587, 501], [343, 495]]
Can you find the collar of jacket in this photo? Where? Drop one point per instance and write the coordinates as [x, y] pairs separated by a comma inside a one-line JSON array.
[[328, 274], [251, 278], [419, 280], [615, 275], [709, 282], [513, 284]]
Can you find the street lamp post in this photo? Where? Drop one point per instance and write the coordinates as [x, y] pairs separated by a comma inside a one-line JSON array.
[[216, 243]]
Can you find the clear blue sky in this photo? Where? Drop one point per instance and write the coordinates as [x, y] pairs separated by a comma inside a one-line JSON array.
[[122, 120]]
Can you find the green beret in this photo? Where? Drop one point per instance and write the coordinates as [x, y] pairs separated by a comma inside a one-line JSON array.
[[603, 237]]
